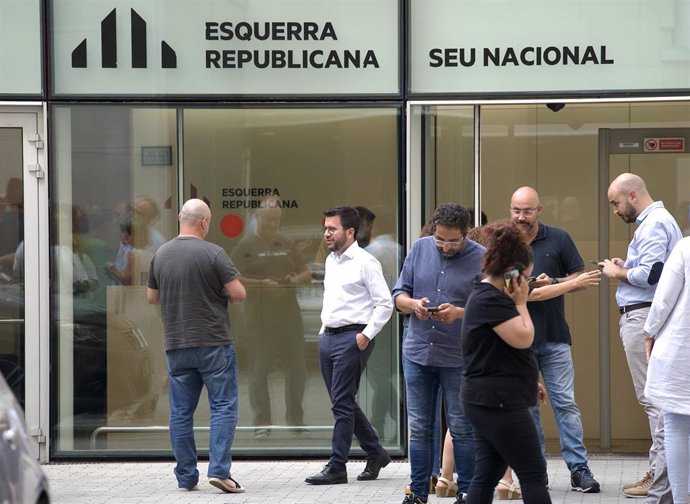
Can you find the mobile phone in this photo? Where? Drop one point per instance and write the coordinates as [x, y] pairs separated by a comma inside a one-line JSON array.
[[596, 263], [531, 279], [432, 309], [509, 275]]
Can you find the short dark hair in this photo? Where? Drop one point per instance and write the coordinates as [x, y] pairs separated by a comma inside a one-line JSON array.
[[453, 216], [483, 219], [365, 214], [506, 247], [349, 217]]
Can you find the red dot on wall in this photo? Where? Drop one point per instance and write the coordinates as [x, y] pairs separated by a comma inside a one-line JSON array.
[[231, 226]]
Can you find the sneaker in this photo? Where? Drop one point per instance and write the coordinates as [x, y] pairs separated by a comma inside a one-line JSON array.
[[461, 498], [582, 480], [648, 474], [641, 488], [411, 498]]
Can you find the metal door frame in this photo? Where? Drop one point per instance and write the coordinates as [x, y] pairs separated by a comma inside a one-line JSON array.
[[617, 141], [31, 117]]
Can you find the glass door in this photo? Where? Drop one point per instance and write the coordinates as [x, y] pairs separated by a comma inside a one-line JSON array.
[[23, 358], [661, 156]]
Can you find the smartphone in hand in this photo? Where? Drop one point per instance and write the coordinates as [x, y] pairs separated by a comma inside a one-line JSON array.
[[596, 263], [432, 309], [509, 275]]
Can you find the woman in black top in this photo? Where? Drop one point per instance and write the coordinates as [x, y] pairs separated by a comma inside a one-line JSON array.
[[500, 376]]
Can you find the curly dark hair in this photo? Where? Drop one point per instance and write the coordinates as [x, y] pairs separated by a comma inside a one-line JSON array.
[[506, 248], [453, 216], [349, 217]]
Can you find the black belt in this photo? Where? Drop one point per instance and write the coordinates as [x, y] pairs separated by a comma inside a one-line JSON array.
[[631, 307], [345, 328]]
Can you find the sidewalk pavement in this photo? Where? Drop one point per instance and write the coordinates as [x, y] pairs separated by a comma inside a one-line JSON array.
[[270, 482]]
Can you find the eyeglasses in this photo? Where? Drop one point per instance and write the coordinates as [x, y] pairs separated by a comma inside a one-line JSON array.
[[527, 212], [330, 230], [450, 243]]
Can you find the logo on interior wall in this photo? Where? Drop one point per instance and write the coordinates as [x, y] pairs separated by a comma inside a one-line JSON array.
[[249, 198], [109, 45]]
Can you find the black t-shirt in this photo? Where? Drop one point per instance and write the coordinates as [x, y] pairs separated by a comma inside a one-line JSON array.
[[495, 374], [556, 255]]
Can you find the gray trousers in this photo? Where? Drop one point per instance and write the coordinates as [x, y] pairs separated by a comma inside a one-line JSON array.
[[660, 491], [631, 331], [631, 325]]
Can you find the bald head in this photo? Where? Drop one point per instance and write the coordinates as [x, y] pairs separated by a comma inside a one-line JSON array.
[[628, 196], [629, 182], [525, 209], [526, 195], [194, 218]]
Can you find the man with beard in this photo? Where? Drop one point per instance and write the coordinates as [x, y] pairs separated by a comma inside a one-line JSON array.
[[272, 270], [556, 259], [656, 235], [433, 287], [356, 306]]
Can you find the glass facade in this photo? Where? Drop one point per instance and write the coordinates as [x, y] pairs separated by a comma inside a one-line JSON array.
[[273, 111], [558, 151], [267, 175]]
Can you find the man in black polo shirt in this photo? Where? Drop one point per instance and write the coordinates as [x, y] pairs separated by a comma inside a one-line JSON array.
[[556, 259]]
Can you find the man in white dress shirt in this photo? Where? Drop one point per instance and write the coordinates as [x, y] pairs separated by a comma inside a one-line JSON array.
[[356, 306]]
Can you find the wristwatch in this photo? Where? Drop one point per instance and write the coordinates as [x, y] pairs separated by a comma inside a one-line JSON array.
[[554, 281]]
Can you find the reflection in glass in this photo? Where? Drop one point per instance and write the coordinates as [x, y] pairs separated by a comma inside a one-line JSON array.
[[12, 262], [267, 175]]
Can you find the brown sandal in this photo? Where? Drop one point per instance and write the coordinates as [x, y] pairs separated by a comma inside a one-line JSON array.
[[225, 486]]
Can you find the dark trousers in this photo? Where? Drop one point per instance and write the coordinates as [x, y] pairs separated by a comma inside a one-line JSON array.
[[502, 438], [342, 364]]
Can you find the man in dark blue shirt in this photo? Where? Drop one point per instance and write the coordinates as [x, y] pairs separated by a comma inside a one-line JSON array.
[[434, 284], [556, 259]]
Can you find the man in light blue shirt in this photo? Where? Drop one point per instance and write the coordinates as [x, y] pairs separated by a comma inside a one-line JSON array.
[[656, 235], [433, 287]]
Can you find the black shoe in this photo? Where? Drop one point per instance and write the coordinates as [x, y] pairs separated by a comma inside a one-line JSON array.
[[411, 498], [582, 480], [374, 466], [328, 476], [461, 498]]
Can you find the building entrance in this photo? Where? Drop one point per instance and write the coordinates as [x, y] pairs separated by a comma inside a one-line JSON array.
[[661, 156], [23, 343], [478, 154]]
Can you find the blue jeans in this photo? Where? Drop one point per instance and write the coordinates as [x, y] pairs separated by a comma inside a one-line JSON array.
[[422, 385], [556, 365], [189, 370]]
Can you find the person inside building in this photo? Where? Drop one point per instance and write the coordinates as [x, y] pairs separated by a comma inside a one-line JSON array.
[[272, 270]]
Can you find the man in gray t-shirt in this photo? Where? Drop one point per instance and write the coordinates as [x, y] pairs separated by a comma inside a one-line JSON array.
[[193, 280]]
